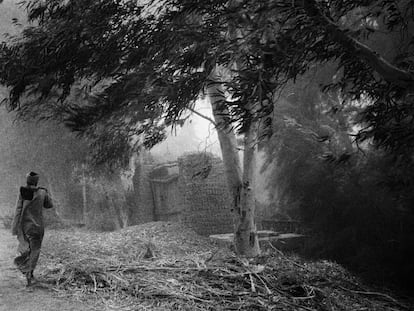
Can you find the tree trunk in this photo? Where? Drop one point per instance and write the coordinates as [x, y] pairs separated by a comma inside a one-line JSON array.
[[115, 212], [228, 142], [124, 217], [120, 213], [241, 187], [84, 196], [245, 238], [112, 207], [123, 210]]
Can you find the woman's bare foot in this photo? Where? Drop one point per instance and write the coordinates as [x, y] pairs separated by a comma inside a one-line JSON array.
[[29, 276]]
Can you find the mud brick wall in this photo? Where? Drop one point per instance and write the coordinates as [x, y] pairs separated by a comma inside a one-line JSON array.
[[206, 199], [168, 199], [192, 191]]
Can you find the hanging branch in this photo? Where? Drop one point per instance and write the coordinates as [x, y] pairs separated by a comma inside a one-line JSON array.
[[384, 68], [202, 116]]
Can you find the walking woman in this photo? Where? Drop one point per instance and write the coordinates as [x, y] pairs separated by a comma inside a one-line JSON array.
[[28, 224]]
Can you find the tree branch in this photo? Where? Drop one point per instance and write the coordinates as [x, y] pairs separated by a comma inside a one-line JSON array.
[[203, 116], [384, 68]]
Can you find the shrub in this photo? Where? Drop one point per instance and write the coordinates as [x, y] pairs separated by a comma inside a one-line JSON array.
[[360, 213]]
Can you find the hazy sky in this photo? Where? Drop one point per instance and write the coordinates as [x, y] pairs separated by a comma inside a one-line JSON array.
[[198, 134]]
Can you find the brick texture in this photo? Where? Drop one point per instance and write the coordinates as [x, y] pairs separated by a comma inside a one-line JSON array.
[[206, 200]]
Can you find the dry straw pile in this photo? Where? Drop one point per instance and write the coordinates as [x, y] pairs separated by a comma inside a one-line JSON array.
[[163, 266]]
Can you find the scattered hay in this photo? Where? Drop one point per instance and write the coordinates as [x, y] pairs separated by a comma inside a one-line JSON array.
[[163, 266]]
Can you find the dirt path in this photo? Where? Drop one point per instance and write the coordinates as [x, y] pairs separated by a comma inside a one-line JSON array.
[[14, 296]]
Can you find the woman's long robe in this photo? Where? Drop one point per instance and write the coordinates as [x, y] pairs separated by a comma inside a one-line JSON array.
[[28, 225]]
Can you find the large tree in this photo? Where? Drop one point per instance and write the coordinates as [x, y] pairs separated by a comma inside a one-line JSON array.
[[141, 67]]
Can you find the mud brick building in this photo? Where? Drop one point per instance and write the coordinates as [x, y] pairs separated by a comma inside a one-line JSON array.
[[192, 190]]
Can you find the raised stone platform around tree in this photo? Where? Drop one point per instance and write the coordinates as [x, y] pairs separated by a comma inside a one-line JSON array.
[[267, 238]]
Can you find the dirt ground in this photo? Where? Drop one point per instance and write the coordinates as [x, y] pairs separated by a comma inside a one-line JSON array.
[[108, 271], [14, 296]]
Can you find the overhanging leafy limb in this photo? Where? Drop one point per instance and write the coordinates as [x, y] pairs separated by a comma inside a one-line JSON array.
[[384, 68]]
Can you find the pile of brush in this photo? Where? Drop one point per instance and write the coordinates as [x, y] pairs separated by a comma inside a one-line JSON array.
[[163, 266]]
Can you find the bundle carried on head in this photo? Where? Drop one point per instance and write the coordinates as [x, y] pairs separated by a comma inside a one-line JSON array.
[[32, 178]]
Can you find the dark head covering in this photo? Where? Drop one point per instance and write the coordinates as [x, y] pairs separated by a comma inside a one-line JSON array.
[[32, 178]]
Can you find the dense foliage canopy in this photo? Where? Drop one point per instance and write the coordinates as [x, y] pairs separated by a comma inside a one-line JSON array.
[[138, 67]]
